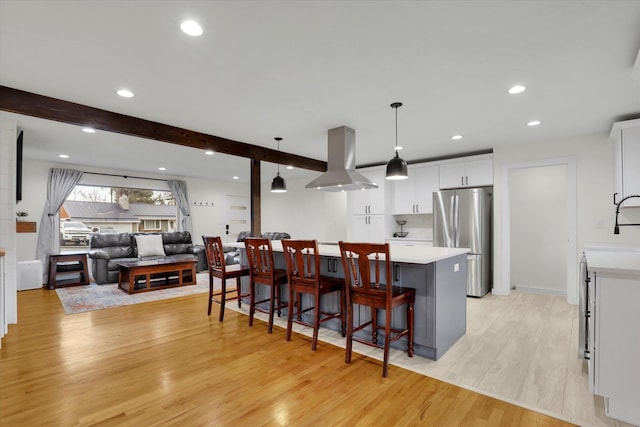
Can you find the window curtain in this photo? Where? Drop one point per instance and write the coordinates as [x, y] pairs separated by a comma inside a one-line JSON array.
[[60, 184], [179, 190]]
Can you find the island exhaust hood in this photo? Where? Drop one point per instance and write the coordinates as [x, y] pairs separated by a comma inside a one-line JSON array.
[[341, 172]]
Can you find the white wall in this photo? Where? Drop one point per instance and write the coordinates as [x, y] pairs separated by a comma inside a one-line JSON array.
[[304, 214], [538, 203], [8, 286], [596, 212]]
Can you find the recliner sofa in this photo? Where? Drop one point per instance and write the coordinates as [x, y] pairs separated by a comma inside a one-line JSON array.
[[106, 250], [232, 255]]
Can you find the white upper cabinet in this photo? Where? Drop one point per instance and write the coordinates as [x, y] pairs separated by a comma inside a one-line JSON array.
[[368, 202], [626, 138], [414, 195], [466, 173]]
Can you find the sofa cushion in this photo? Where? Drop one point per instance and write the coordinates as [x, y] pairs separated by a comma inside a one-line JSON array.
[[112, 264], [149, 245], [275, 235], [109, 246]]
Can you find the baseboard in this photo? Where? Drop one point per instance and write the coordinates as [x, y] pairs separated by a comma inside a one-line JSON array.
[[554, 292]]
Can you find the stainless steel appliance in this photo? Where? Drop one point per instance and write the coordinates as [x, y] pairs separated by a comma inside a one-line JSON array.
[[462, 219]]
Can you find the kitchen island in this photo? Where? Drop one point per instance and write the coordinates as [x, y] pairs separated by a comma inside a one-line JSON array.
[[439, 276]]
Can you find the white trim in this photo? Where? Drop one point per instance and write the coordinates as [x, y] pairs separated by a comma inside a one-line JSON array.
[[542, 291], [572, 210]]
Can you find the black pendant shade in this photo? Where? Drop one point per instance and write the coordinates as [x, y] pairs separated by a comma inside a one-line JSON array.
[[278, 185], [397, 167]]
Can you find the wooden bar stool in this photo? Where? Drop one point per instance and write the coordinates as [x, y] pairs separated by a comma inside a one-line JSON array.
[[365, 266], [263, 272], [303, 273], [217, 268]]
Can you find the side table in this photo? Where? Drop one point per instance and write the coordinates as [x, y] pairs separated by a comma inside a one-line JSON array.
[[68, 269]]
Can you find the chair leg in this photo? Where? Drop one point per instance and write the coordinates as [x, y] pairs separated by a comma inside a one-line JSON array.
[[272, 300], [252, 301], [343, 313], [210, 294], [349, 346], [374, 325], [290, 313], [223, 299], [316, 321], [387, 344], [239, 291], [410, 327]]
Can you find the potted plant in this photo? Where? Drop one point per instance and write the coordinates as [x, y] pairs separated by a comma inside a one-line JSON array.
[[21, 215]]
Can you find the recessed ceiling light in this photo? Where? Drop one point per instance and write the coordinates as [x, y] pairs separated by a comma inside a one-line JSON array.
[[191, 28], [289, 167], [398, 148], [63, 156], [236, 177], [517, 89], [209, 152], [534, 123], [125, 93], [456, 137], [162, 169], [89, 130]]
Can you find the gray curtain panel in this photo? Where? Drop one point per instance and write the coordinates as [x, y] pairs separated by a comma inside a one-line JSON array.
[[179, 190], [60, 184]]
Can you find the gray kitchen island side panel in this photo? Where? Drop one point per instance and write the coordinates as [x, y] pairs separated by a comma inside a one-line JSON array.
[[439, 310], [450, 302]]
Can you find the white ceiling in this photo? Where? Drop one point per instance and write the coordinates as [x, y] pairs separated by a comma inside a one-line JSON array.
[[296, 69]]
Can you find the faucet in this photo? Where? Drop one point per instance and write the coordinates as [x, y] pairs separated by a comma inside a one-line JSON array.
[[616, 228]]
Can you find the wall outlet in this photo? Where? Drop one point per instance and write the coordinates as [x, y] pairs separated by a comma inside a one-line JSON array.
[[456, 268]]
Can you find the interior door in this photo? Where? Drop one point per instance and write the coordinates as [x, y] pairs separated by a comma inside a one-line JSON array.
[[237, 216]]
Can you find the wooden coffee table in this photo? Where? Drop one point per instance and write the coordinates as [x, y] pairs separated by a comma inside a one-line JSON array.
[[154, 274]]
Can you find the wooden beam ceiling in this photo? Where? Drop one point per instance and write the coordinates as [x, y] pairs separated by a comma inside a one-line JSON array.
[[31, 104]]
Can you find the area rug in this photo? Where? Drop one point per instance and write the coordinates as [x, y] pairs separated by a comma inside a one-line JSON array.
[[79, 299]]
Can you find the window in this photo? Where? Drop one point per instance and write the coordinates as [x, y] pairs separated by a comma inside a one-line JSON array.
[[151, 224]]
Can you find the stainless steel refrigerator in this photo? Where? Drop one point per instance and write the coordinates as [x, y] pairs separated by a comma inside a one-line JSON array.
[[462, 219]]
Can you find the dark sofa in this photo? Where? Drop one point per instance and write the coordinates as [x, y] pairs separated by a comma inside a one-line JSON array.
[[107, 249], [232, 255]]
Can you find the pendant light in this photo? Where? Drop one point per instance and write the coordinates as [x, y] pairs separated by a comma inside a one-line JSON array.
[[397, 167], [278, 185]]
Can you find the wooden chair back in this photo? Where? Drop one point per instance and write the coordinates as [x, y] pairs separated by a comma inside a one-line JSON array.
[[367, 271], [260, 257], [303, 261], [214, 251]]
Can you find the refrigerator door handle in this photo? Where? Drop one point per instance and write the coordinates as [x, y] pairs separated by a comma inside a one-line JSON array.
[[456, 222]]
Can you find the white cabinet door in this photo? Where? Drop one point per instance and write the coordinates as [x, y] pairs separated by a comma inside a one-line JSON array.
[[452, 175], [366, 202], [376, 196], [631, 164], [469, 173], [626, 137], [427, 181], [478, 173], [368, 228], [404, 195], [415, 194]]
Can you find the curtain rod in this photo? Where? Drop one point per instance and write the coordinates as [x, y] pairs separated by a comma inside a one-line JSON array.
[[125, 176]]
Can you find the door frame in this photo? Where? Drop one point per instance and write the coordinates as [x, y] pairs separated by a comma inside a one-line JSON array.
[[504, 287]]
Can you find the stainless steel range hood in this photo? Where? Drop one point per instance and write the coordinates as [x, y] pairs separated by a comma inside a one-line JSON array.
[[341, 172]]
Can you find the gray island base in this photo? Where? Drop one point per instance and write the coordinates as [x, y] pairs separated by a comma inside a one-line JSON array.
[[439, 276]]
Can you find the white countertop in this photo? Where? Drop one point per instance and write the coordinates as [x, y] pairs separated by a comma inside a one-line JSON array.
[[611, 258], [399, 253]]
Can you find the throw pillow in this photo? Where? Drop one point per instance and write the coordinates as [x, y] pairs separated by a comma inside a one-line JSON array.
[[149, 245]]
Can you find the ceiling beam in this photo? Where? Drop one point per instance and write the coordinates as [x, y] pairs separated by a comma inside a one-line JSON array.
[[31, 104]]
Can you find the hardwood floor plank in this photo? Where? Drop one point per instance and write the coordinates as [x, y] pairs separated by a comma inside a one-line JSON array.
[[168, 363]]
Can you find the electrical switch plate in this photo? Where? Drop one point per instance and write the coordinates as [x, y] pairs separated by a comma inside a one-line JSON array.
[[456, 268]]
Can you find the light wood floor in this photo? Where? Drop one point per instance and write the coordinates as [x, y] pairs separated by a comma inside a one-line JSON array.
[[167, 363]]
